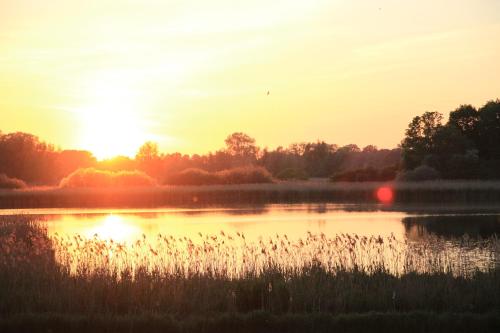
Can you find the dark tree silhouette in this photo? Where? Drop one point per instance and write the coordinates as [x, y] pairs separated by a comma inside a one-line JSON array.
[[468, 146], [418, 142], [240, 144]]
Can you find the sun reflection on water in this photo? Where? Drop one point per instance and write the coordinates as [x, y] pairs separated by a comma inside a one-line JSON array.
[[114, 227]]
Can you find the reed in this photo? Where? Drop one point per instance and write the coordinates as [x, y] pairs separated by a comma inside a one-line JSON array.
[[262, 322], [223, 273]]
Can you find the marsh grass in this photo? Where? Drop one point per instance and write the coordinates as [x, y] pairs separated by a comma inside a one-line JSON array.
[[220, 274]]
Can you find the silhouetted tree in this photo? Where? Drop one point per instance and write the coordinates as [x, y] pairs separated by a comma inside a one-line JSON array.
[[466, 119], [23, 156], [370, 149], [242, 147], [488, 131], [149, 160], [468, 146], [147, 152], [418, 142]]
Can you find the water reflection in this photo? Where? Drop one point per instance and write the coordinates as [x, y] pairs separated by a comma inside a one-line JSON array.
[[449, 226], [113, 227], [294, 220]]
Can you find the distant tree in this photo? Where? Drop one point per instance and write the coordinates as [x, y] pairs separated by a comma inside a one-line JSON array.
[[350, 148], [451, 154], [148, 152], [149, 160], [297, 148], [488, 131], [466, 119], [468, 146], [318, 158], [242, 148], [418, 142], [240, 144], [370, 149], [24, 156]]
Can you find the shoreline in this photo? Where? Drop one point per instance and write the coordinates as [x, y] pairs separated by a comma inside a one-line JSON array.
[[430, 192]]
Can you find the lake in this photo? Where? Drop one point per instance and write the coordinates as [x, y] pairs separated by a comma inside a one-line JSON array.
[[451, 232]]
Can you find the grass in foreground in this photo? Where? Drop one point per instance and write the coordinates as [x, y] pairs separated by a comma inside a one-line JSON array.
[[261, 322]]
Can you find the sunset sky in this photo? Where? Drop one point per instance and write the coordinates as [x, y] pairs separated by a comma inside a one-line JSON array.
[[107, 75]]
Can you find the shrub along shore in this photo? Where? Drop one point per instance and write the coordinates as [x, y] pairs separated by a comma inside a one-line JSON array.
[[435, 192]]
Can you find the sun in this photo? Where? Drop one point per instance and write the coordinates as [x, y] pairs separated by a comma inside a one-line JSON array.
[[110, 121], [111, 132]]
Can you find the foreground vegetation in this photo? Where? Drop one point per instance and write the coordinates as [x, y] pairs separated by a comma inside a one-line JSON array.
[[220, 282], [262, 322]]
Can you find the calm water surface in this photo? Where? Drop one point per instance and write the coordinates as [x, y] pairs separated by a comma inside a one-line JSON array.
[[293, 220]]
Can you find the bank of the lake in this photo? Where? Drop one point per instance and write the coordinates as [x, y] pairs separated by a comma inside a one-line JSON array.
[[451, 192]]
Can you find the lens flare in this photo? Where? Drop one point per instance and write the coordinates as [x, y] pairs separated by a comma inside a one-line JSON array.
[[385, 195]]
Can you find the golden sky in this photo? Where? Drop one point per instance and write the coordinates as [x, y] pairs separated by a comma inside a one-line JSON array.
[[107, 75]]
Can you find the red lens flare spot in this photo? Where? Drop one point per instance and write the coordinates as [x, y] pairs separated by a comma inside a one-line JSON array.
[[385, 195]]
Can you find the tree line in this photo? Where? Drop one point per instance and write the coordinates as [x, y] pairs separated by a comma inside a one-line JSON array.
[[24, 156], [467, 146]]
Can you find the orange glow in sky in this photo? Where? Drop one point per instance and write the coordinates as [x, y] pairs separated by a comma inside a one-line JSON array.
[[108, 75]]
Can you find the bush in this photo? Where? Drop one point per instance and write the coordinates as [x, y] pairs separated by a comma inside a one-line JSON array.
[[91, 177], [245, 175], [193, 176], [420, 173], [11, 183], [366, 175], [242, 175], [292, 174]]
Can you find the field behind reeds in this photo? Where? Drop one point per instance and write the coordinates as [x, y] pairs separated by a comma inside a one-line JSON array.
[[442, 192], [219, 283]]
